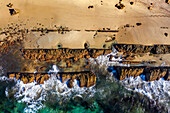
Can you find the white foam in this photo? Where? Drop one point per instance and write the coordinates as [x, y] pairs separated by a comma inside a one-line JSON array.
[[54, 69], [4, 78], [104, 59], [157, 90], [35, 94]]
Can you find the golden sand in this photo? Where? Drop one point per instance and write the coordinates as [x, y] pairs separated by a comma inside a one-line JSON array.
[[77, 16]]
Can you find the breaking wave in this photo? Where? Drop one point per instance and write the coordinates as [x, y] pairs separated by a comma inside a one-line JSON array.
[[104, 92], [33, 95], [158, 90]]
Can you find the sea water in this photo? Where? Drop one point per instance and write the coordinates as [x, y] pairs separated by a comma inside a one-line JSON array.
[[106, 96]]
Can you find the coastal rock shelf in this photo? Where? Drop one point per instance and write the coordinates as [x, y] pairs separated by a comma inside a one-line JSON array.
[[147, 73], [135, 48], [11, 36], [71, 55], [84, 79], [6, 46]]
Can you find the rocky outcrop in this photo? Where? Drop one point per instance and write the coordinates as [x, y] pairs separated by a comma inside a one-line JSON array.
[[120, 5], [11, 36], [60, 30], [6, 46], [68, 55], [127, 72], [85, 79], [150, 73], [30, 77], [14, 11], [132, 48], [155, 74]]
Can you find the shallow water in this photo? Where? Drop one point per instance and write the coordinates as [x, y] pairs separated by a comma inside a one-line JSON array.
[[108, 95]]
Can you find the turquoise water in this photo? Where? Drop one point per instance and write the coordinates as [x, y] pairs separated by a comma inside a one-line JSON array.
[[113, 99], [110, 97], [9, 105]]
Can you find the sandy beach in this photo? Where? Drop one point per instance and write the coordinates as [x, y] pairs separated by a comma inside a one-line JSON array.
[[77, 16], [101, 56]]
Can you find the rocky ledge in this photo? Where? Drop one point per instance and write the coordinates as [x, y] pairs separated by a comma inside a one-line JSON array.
[[84, 79], [136, 48], [147, 73]]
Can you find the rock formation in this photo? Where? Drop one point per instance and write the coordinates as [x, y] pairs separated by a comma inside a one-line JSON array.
[[132, 48], [70, 56], [85, 79], [151, 73]]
